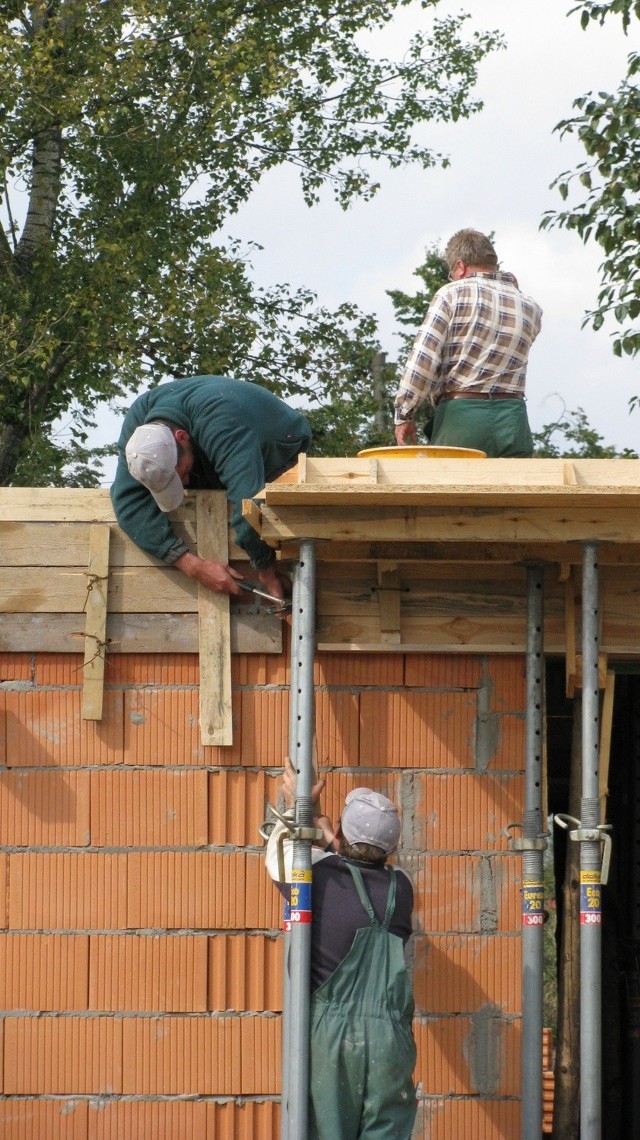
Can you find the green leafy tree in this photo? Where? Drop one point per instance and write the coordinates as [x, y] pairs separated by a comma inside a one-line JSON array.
[[363, 417], [130, 133], [572, 437], [608, 126]]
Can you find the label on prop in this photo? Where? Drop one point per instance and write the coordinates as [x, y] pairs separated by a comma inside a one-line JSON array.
[[532, 904], [301, 897], [590, 898]]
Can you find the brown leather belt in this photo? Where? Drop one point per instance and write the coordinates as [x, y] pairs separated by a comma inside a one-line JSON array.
[[481, 396]]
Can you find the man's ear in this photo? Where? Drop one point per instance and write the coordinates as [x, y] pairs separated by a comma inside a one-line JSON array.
[[181, 436]]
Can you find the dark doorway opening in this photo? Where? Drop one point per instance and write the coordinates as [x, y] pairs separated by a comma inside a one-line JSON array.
[[621, 896]]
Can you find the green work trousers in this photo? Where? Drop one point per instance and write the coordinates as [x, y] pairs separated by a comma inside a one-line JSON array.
[[362, 1049], [498, 427]]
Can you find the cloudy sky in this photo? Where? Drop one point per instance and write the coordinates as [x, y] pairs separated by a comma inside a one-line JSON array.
[[502, 163]]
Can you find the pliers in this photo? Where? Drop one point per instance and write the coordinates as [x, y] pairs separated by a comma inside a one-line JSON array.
[[282, 606]]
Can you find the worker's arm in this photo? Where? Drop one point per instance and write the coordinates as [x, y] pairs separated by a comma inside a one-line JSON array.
[[421, 377], [141, 519], [237, 457]]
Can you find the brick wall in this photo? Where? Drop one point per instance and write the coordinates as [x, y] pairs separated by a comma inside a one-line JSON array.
[[140, 957]]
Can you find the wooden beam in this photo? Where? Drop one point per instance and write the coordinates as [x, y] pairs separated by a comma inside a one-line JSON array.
[[252, 631], [49, 544], [389, 602], [95, 609], [457, 523], [606, 726], [497, 553], [215, 636], [571, 666]]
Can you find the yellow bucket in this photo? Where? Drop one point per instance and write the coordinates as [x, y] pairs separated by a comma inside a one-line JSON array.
[[426, 451]]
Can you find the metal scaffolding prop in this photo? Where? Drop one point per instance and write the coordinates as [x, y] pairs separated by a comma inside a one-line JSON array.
[[595, 850], [532, 844], [295, 1076]]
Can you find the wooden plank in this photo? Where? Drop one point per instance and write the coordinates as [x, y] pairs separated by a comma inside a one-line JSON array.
[[575, 523], [63, 590], [438, 494], [606, 726], [497, 553], [49, 544], [512, 473], [389, 602], [95, 622], [69, 504], [216, 725], [252, 631], [571, 666]]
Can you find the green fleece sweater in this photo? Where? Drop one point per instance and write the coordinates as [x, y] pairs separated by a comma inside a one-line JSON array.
[[242, 436]]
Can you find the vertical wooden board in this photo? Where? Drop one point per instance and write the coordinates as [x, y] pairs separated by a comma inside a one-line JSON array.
[[389, 590], [606, 727], [214, 626], [95, 622]]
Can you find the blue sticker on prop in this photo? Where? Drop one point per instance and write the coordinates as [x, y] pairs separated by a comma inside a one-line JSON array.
[[590, 898], [532, 904], [300, 897]]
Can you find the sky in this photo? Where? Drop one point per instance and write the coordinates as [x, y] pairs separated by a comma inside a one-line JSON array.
[[503, 160]]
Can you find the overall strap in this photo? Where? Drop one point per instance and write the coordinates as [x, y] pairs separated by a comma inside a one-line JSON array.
[[391, 898], [358, 880]]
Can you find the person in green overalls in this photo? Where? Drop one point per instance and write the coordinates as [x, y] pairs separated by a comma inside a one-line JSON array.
[[362, 1051]]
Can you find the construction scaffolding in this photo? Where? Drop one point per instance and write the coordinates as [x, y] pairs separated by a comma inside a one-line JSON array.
[[141, 727]]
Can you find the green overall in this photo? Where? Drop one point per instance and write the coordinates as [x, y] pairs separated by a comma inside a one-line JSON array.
[[362, 1049]]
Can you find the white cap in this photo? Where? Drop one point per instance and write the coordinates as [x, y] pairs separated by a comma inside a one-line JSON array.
[[369, 817], [152, 455]]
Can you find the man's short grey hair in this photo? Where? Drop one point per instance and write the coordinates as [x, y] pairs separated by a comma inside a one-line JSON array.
[[473, 248]]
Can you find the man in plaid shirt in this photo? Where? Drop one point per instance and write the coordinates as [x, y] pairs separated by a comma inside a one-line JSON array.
[[470, 357]]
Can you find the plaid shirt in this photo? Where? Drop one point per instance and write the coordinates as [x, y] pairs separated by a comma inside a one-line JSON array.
[[475, 337]]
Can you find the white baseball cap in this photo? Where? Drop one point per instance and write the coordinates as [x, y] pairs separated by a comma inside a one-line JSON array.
[[369, 817], [152, 455]]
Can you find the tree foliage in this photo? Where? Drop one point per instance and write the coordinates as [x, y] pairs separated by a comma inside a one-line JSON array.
[[363, 417], [130, 133], [608, 126], [581, 440]]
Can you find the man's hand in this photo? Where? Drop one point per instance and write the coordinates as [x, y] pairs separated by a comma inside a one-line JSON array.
[[322, 822], [289, 788], [406, 433], [275, 581], [216, 576]]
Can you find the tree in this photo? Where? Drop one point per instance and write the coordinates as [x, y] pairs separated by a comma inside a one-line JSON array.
[[581, 441], [131, 133], [364, 417], [608, 126]]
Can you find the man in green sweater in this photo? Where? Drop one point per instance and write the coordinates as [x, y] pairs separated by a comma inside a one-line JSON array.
[[209, 432]]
